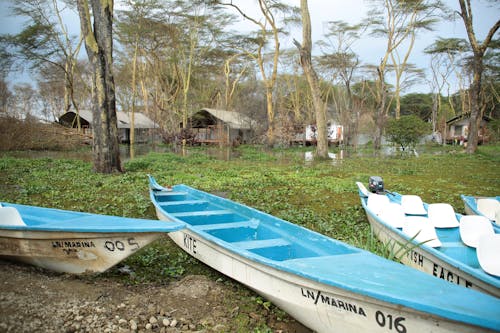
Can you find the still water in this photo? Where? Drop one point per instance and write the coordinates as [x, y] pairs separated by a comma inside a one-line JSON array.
[[224, 154]]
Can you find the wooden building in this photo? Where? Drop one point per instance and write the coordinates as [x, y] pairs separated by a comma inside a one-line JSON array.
[[212, 126], [457, 129], [144, 128]]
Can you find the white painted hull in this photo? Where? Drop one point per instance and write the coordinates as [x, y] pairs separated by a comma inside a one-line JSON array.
[[71, 252], [321, 307], [424, 261]]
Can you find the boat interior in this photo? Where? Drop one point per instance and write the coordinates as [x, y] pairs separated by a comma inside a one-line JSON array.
[[438, 226], [275, 240]]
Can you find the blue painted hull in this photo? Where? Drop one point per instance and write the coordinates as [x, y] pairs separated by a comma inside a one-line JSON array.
[[287, 260]]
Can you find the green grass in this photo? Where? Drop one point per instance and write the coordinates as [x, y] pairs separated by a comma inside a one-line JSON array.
[[320, 195]]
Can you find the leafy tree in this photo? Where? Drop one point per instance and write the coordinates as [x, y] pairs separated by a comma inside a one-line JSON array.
[[398, 22], [45, 42], [406, 131], [417, 104]]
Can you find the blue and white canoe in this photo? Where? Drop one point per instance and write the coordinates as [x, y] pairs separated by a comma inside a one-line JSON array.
[[464, 250], [73, 242], [488, 207], [325, 284]]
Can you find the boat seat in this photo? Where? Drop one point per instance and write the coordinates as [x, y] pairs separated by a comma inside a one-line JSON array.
[[9, 216], [203, 213], [488, 250], [442, 215], [228, 225], [413, 205], [169, 193], [261, 243], [182, 202], [377, 202], [488, 207], [472, 227], [394, 215], [421, 230]]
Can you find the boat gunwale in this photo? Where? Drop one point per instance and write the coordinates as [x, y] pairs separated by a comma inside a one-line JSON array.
[[116, 224]]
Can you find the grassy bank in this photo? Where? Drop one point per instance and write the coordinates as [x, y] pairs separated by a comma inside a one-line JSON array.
[[320, 195]]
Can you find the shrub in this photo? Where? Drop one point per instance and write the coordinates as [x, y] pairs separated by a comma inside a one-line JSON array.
[[406, 131]]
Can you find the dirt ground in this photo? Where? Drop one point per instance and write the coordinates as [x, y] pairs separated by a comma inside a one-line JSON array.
[[35, 300]]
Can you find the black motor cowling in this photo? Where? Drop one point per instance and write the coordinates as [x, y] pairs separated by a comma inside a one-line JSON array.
[[376, 184]]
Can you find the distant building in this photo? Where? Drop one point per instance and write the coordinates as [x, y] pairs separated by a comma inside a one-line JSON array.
[[144, 128], [458, 129], [309, 134], [212, 126]]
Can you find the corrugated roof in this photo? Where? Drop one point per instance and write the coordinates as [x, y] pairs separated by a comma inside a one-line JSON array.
[[123, 119], [233, 119]]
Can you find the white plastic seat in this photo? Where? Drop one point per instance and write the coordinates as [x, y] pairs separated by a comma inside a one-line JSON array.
[[9, 216], [442, 215], [488, 253], [472, 227], [413, 205], [377, 203], [421, 230], [394, 215], [488, 207]]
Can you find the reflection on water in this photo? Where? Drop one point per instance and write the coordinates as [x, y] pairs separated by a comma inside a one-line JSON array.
[[127, 152], [335, 157]]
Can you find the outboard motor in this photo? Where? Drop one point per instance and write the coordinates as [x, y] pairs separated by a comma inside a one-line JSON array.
[[376, 184]]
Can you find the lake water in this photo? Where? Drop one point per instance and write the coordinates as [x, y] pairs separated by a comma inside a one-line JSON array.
[[225, 154]]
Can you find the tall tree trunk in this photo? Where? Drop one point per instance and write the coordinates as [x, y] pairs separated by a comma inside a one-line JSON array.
[[99, 46], [477, 68], [312, 79]]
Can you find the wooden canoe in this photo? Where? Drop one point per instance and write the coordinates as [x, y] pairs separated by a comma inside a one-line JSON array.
[[73, 242], [490, 208], [443, 253], [325, 284]]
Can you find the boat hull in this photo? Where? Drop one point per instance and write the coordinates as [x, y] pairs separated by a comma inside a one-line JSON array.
[[319, 306], [74, 253]]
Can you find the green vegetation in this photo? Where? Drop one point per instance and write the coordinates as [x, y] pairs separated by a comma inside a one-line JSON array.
[[320, 195], [406, 131]]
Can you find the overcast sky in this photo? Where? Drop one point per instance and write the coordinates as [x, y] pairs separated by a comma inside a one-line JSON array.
[[370, 50]]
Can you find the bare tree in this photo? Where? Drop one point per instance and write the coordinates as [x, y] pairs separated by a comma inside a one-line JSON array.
[[98, 37], [478, 50], [312, 79], [340, 62], [268, 28], [443, 53]]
